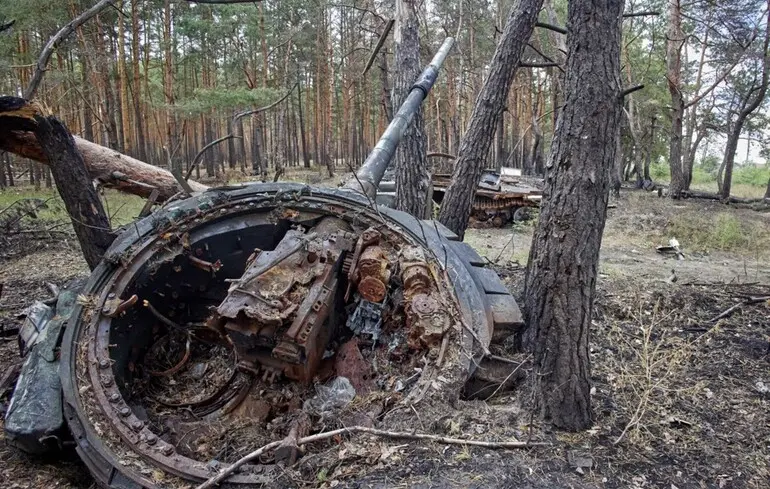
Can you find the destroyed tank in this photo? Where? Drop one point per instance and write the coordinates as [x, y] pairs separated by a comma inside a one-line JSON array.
[[240, 315], [502, 196]]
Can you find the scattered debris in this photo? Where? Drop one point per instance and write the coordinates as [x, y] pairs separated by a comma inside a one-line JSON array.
[[225, 473], [335, 395], [672, 249], [580, 460]]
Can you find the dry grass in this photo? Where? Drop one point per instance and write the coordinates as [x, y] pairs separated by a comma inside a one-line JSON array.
[[644, 220], [676, 398]]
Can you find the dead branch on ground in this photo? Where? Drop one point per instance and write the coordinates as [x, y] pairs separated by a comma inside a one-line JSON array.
[[730, 310], [225, 473]]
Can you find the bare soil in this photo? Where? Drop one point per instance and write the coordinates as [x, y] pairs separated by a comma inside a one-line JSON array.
[[681, 400]]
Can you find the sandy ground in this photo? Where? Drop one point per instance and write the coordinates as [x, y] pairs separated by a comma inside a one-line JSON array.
[[678, 397]]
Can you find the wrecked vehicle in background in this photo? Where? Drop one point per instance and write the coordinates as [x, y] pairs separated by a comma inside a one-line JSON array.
[[244, 315], [502, 196]]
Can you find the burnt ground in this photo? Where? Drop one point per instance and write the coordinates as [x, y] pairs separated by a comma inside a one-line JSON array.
[[680, 400]]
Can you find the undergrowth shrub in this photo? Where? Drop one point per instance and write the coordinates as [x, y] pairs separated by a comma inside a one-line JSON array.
[[722, 231]]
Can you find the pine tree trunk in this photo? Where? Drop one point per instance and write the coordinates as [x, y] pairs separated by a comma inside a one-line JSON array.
[[754, 98], [411, 165], [257, 167], [108, 98], [303, 138], [140, 146], [387, 103], [280, 147], [168, 83], [489, 106], [674, 45], [9, 169], [232, 160], [729, 158], [648, 153], [564, 257], [125, 125]]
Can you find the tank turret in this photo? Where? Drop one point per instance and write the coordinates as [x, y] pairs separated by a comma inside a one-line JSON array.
[[243, 313]]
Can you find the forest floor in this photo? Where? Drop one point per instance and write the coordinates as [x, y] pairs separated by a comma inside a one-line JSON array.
[[680, 400]]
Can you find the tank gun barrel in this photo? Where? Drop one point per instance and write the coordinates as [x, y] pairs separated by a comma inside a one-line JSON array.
[[371, 172]]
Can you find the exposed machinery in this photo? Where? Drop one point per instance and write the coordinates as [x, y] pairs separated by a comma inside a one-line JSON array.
[[223, 314]]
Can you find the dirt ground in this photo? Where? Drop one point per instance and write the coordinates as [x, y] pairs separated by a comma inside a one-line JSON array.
[[681, 400]]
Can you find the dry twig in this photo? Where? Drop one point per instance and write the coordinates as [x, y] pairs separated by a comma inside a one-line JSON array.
[[751, 300], [225, 473]]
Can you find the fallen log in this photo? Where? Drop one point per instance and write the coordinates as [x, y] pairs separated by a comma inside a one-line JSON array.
[[694, 194], [106, 166]]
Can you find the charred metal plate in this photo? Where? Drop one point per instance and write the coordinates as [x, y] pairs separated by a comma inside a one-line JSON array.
[[506, 316], [445, 231], [467, 253], [505, 311], [489, 281]]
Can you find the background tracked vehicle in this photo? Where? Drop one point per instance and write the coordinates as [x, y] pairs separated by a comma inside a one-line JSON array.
[[502, 196], [220, 320]]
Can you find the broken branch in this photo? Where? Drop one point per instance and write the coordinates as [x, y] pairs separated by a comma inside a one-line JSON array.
[[7, 25], [730, 310], [378, 46], [267, 107], [54, 42], [640, 14], [89, 220], [198, 156], [225, 473], [551, 27], [630, 90]]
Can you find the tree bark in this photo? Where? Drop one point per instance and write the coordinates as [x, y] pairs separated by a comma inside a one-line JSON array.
[[387, 103], [73, 182], [140, 148], [489, 106], [648, 152], [412, 179], [257, 167], [674, 45], [303, 137], [126, 142], [113, 169], [107, 95], [563, 262], [168, 83]]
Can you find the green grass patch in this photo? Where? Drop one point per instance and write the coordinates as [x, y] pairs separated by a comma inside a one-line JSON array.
[[723, 231], [121, 208], [748, 181]]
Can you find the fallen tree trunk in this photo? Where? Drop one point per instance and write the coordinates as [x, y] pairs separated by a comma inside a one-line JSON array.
[[690, 194], [89, 220], [108, 167]]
